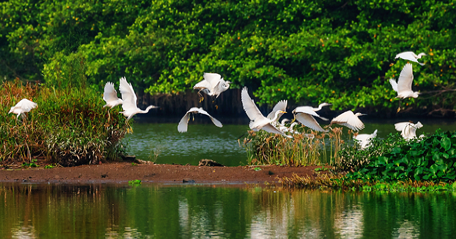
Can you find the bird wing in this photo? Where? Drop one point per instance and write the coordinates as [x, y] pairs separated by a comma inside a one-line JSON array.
[[282, 105], [110, 94], [307, 110], [418, 125], [407, 55], [183, 123], [393, 84], [404, 83], [128, 94], [350, 120], [204, 84], [400, 126], [26, 105], [250, 108], [309, 121], [214, 120], [271, 129], [210, 82]]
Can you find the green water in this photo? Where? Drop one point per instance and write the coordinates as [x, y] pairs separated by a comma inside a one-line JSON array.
[[162, 143], [197, 211]]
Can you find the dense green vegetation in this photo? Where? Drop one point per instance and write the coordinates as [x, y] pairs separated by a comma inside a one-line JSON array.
[[69, 127], [309, 51]]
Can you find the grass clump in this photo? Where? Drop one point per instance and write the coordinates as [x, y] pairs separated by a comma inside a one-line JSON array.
[[70, 126], [304, 149]]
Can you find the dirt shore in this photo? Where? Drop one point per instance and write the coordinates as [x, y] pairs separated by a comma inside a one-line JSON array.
[[122, 172]]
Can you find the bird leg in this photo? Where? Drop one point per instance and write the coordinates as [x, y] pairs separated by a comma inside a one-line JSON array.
[[201, 96]]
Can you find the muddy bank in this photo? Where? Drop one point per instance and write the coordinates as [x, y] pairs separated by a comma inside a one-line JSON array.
[[154, 173]]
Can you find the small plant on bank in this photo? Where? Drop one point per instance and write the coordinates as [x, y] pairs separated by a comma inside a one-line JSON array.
[[135, 182], [49, 166], [32, 164]]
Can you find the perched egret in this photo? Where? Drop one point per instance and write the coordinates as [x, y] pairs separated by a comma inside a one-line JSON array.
[[410, 56], [257, 119], [183, 123], [129, 100], [364, 139], [305, 115], [213, 84], [110, 96], [350, 120], [23, 107], [408, 129], [403, 87]]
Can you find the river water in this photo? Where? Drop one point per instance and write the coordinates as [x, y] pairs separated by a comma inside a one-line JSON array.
[[207, 211], [162, 143]]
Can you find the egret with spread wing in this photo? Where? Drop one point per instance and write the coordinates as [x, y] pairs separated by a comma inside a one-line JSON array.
[[129, 100], [213, 84], [23, 107], [305, 115], [408, 129], [110, 96], [257, 119], [364, 139], [403, 87], [183, 123], [350, 120], [410, 56]]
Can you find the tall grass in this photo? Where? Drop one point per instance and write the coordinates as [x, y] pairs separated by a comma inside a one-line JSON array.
[[304, 149], [69, 127]]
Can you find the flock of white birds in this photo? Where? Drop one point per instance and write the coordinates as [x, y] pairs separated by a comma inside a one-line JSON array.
[[213, 85]]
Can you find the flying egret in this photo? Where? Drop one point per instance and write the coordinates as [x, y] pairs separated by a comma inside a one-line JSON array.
[[23, 107], [364, 139], [403, 87], [257, 119], [110, 96], [305, 115], [410, 56], [408, 129], [183, 123], [129, 100], [281, 106], [350, 120], [213, 84]]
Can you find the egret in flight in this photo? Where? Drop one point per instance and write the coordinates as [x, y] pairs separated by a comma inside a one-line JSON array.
[[410, 56], [408, 129], [129, 100], [305, 115], [403, 87], [110, 96], [282, 107], [364, 139], [23, 107], [350, 120], [213, 84], [257, 119], [183, 123]]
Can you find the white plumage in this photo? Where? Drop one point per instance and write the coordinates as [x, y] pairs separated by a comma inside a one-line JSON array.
[[403, 87], [305, 115], [364, 139], [22, 107], [408, 129], [213, 84], [350, 120], [110, 96], [129, 100], [257, 119], [410, 56], [183, 123]]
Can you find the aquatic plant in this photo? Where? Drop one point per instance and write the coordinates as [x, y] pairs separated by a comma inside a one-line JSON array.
[[69, 127], [304, 149]]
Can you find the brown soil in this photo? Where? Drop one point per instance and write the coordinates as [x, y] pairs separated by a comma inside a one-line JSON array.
[[121, 172]]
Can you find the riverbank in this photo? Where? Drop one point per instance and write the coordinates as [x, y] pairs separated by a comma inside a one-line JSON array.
[[122, 172]]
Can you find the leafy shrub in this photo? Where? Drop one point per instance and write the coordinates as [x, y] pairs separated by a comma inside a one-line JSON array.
[[431, 158]]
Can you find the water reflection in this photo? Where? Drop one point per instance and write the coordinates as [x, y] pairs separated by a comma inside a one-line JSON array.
[[115, 211]]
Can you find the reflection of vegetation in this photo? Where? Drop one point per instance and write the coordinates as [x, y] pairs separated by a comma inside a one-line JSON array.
[[303, 149], [70, 126]]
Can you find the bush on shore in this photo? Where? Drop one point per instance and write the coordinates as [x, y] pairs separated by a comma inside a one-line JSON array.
[[69, 127]]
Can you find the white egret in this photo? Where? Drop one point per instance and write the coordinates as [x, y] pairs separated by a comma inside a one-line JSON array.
[[23, 107], [281, 106], [305, 115], [364, 139], [410, 56], [403, 87], [257, 119], [350, 120], [408, 129], [110, 96], [183, 123], [213, 84], [129, 100]]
